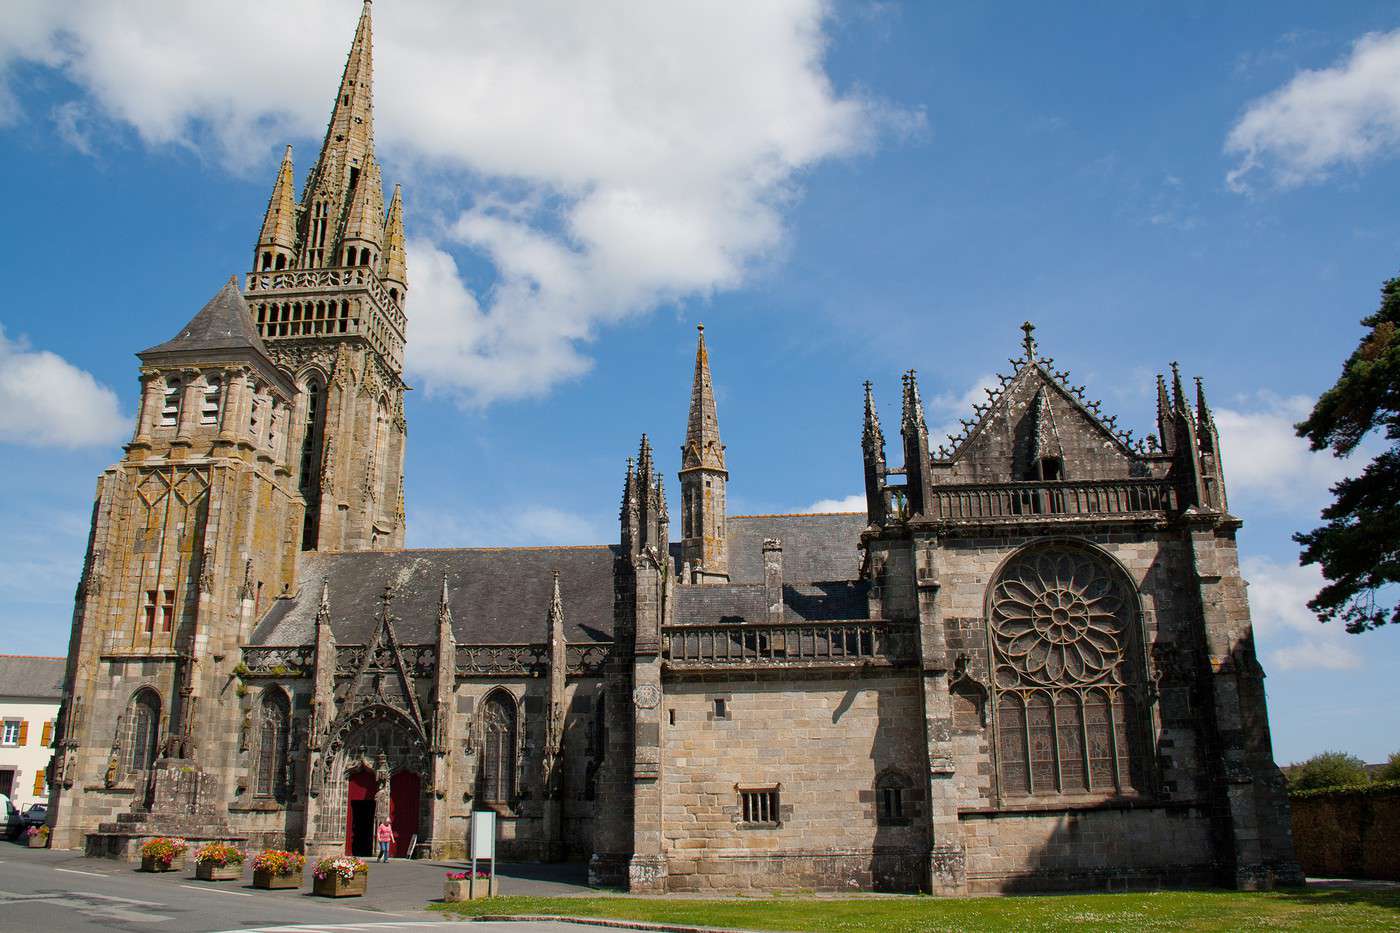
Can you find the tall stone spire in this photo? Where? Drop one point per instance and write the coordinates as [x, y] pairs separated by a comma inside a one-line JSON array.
[[1166, 429], [277, 242], [363, 241], [704, 480], [914, 431]]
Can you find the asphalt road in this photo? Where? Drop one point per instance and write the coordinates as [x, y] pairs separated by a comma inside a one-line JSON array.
[[42, 891]]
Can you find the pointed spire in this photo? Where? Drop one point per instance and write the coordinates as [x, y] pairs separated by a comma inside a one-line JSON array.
[[1165, 431], [352, 118], [1178, 393], [644, 470], [365, 222], [871, 438], [444, 610], [702, 444], [629, 489], [395, 250], [661, 512], [279, 229], [556, 608], [913, 415], [323, 611], [1205, 421]]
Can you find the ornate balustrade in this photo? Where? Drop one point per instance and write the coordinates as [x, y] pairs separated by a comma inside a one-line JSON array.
[[1018, 501], [322, 279], [789, 643]]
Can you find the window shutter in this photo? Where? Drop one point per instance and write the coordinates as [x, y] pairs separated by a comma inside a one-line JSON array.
[[48, 734], [39, 782], [23, 731]]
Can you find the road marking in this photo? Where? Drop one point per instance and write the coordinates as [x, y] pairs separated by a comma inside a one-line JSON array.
[[197, 887], [74, 871]]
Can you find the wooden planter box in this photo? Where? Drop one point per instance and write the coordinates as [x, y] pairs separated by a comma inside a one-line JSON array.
[[273, 882], [469, 890], [210, 871], [151, 863], [38, 842], [335, 886]]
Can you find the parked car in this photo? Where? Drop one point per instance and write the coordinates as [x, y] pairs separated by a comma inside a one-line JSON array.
[[14, 823], [35, 815]]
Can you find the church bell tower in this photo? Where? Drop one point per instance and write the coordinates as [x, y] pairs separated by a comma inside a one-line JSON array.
[[327, 295]]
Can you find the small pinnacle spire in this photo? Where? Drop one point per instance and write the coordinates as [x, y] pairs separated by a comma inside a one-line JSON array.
[[871, 437], [279, 224], [556, 605], [365, 222], [395, 248], [703, 448], [913, 416], [323, 611], [1165, 431], [1045, 437], [644, 470], [1028, 341], [442, 600], [1178, 393], [1203, 415]]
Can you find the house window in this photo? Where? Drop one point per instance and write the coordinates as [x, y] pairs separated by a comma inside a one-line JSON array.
[[891, 804], [498, 721], [891, 799], [759, 805], [170, 407], [1063, 636], [274, 727], [143, 726], [9, 732], [209, 409]]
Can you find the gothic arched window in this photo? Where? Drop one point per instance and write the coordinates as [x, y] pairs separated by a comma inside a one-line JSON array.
[[498, 737], [1067, 670], [313, 431], [142, 730], [274, 724]]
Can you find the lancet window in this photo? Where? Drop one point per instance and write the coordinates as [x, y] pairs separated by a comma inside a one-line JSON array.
[[142, 730], [498, 749], [274, 725], [1068, 676]]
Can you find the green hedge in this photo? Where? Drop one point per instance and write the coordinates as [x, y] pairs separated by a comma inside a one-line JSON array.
[[1375, 788]]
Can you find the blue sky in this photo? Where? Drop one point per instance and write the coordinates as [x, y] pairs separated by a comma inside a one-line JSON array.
[[838, 193]]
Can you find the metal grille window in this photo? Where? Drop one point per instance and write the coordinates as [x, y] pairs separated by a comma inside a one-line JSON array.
[[759, 805], [1066, 673], [498, 721], [274, 726]]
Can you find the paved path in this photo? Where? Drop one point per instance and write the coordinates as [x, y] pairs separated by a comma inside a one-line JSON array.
[[43, 890]]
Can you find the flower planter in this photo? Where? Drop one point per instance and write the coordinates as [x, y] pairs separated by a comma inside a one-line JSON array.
[[209, 871], [39, 842], [272, 881], [151, 863], [334, 885], [468, 889]]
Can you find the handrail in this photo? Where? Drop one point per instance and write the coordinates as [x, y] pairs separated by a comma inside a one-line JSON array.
[[786, 643], [980, 501]]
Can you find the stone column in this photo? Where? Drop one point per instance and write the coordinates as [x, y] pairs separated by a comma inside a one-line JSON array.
[[152, 395], [647, 871], [947, 855], [773, 579], [191, 397]]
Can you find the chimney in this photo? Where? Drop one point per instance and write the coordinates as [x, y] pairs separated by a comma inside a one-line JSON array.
[[773, 578]]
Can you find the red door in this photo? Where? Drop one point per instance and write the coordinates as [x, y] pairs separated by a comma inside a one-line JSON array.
[[404, 796], [359, 814]]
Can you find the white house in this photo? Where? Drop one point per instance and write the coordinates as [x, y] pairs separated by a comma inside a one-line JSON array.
[[30, 688]]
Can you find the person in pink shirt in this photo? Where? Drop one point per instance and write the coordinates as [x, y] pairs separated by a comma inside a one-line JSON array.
[[385, 835]]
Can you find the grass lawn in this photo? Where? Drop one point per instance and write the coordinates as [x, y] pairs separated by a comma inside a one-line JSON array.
[[1165, 910]]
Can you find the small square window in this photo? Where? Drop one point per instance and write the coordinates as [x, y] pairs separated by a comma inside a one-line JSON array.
[[891, 801], [9, 732], [721, 708], [759, 806]]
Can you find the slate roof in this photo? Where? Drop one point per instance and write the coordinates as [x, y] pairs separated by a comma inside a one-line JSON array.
[[737, 603], [818, 548], [498, 596], [225, 323], [31, 677]]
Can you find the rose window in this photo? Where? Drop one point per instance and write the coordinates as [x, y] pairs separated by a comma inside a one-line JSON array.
[[1058, 617]]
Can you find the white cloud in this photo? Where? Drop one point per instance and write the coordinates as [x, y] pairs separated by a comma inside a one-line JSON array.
[[1265, 461], [534, 526], [45, 401], [1287, 633], [852, 503], [1346, 115], [945, 410], [612, 156]]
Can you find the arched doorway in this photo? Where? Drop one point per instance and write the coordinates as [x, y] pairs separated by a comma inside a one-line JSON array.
[[405, 793], [359, 813]]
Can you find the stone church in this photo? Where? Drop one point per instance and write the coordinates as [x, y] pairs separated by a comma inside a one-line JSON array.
[[1028, 664]]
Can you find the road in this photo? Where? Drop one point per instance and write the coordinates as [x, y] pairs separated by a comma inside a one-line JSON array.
[[43, 891]]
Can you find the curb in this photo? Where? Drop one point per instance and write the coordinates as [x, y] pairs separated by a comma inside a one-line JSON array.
[[602, 922]]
